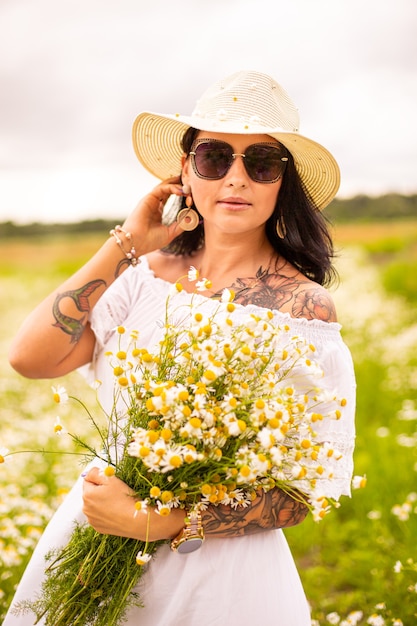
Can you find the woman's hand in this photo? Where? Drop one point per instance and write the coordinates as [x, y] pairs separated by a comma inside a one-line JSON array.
[[109, 505], [144, 223]]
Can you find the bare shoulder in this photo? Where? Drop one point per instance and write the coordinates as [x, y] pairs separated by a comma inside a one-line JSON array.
[[169, 267]]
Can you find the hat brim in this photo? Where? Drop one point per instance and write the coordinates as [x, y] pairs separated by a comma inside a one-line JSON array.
[[157, 144]]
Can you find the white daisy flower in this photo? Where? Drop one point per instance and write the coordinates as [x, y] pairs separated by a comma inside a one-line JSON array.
[[60, 394], [142, 558]]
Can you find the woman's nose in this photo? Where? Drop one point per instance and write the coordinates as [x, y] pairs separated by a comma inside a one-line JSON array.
[[237, 174]]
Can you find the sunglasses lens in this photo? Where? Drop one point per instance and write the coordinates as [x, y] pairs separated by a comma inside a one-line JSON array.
[[264, 164], [212, 159]]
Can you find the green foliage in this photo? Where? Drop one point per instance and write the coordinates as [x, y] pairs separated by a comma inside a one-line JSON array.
[[70, 588], [400, 277], [397, 258], [362, 208], [352, 553], [36, 229]]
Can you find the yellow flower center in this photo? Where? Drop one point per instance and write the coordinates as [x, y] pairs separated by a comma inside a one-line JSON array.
[[245, 471], [210, 375], [175, 461], [166, 434], [152, 436], [166, 496], [273, 422], [195, 422], [164, 511], [186, 411]]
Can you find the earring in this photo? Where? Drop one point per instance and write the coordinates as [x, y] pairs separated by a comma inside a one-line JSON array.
[[280, 227], [188, 219]]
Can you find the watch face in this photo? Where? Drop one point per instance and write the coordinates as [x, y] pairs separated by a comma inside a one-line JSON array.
[[190, 545]]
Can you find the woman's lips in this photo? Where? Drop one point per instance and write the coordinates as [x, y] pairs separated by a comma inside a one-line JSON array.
[[235, 202]]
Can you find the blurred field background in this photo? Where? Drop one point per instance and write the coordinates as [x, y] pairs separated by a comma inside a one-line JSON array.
[[362, 557]]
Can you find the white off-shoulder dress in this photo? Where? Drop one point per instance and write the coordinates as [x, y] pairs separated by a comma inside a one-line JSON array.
[[238, 581]]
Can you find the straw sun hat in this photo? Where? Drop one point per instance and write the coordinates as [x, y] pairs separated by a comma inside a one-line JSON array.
[[245, 103]]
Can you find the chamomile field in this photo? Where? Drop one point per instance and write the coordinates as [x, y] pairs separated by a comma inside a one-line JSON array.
[[358, 565]]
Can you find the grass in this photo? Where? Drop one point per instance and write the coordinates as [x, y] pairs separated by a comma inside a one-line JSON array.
[[347, 561]]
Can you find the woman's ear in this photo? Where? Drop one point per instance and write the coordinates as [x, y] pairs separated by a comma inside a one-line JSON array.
[[185, 164]]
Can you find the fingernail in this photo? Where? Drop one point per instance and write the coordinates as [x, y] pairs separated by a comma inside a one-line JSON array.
[[84, 474]]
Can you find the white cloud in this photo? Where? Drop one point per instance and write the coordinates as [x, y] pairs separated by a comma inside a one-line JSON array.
[[74, 74]]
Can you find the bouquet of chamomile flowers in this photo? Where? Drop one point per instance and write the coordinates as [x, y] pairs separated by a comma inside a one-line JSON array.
[[225, 406]]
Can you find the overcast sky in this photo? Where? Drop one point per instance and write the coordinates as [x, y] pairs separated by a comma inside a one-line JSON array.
[[75, 73]]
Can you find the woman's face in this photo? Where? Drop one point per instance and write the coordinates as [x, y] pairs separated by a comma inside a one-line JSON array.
[[234, 203]]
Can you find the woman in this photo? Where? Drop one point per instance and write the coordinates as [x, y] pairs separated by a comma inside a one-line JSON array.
[[251, 189]]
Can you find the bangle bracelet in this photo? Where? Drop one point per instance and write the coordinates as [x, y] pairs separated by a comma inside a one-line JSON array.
[[129, 254]]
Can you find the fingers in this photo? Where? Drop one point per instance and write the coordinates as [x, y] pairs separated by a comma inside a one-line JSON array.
[[169, 187], [95, 476], [148, 224]]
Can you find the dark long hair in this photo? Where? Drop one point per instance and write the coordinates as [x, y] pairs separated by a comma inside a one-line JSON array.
[[307, 244]]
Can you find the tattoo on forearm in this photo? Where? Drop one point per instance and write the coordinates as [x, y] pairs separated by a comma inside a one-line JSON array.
[[271, 510], [119, 267], [71, 325]]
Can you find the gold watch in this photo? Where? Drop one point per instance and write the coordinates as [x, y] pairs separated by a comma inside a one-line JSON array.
[[192, 535]]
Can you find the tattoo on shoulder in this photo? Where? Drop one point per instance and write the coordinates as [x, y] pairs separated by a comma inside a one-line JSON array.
[[267, 290], [314, 303], [275, 290], [71, 325]]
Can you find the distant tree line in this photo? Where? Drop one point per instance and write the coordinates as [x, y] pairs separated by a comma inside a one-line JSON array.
[[36, 229], [360, 208], [389, 207]]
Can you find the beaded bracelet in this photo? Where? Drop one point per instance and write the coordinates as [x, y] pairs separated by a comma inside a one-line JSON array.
[[131, 254]]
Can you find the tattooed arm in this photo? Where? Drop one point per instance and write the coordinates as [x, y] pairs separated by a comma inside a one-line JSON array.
[[109, 506], [56, 337], [274, 509]]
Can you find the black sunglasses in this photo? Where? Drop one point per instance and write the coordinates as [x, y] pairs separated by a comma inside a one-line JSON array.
[[264, 162]]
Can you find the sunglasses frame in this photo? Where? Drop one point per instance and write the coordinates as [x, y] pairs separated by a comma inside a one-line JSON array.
[[275, 145]]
